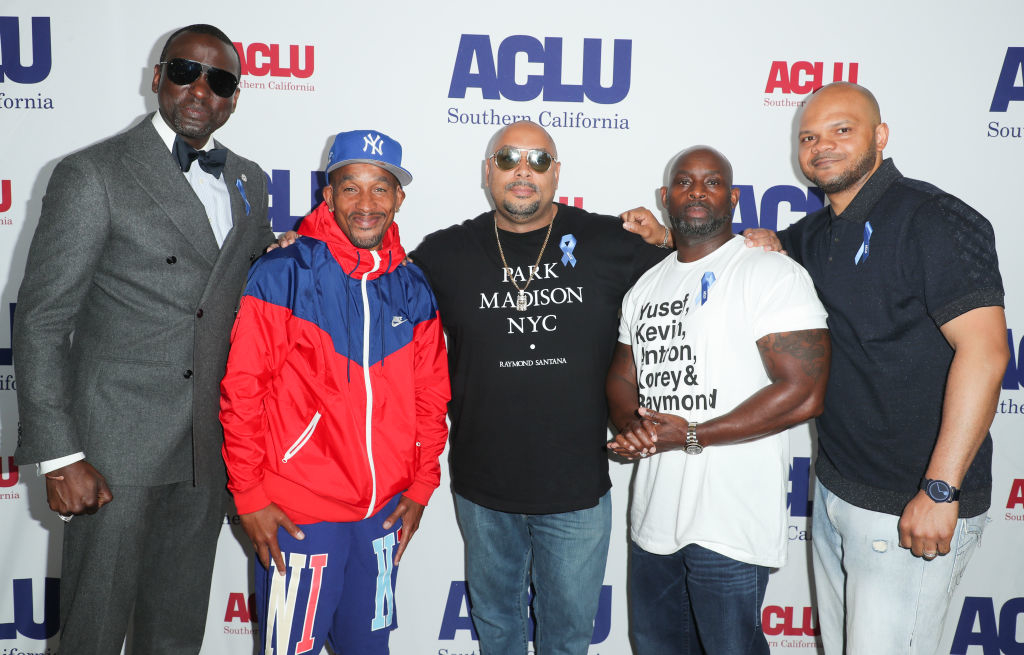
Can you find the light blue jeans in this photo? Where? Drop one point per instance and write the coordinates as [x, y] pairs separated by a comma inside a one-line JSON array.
[[565, 556], [873, 596]]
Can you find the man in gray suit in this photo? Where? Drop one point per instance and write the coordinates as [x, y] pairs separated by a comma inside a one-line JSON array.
[[120, 339]]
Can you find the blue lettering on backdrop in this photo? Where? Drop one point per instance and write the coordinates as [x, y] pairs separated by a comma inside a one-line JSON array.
[[457, 614], [11, 66], [799, 199], [24, 622], [279, 189], [1006, 89], [6, 357], [500, 81], [994, 639], [798, 500], [1014, 376]]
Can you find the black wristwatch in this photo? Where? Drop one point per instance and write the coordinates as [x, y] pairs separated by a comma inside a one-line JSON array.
[[940, 491]]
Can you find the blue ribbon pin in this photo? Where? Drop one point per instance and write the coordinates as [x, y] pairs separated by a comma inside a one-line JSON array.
[[705, 285], [567, 244], [865, 248], [241, 190]]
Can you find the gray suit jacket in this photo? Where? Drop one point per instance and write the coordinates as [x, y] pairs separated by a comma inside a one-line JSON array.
[[124, 315]]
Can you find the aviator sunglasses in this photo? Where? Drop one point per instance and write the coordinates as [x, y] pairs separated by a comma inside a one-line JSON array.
[[185, 71], [507, 157]]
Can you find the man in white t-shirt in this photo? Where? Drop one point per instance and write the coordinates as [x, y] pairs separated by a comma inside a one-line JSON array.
[[721, 349]]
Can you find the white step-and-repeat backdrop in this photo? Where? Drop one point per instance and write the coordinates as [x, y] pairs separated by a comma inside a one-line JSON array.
[[621, 87]]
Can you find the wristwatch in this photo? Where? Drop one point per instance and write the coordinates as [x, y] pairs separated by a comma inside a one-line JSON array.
[[939, 490], [693, 446]]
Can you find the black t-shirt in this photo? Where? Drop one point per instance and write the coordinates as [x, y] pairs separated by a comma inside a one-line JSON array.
[[528, 409], [928, 259]]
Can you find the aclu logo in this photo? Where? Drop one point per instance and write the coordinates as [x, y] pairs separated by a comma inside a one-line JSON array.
[[994, 637], [5, 195], [12, 68], [25, 622], [457, 618], [262, 59], [279, 187], [765, 213], [525, 68], [267, 60], [803, 77]]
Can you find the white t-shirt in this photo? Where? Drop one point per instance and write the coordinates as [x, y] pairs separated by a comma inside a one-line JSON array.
[[693, 328]]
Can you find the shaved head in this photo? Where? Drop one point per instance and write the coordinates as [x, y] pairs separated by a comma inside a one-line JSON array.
[[723, 165], [851, 95], [522, 132]]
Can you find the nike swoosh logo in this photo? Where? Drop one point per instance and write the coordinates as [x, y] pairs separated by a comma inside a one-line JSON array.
[[397, 320]]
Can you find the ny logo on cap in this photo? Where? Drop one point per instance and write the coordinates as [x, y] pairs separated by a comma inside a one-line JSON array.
[[374, 142]]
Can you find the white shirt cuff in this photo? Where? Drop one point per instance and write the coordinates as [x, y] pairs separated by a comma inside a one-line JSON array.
[[43, 468]]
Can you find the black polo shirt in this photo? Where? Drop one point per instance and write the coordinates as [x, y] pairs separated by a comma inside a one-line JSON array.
[[902, 259]]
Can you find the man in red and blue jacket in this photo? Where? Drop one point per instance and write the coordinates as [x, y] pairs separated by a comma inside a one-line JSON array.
[[333, 408]]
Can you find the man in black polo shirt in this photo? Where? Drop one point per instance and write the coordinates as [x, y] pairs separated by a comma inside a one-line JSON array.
[[909, 277]]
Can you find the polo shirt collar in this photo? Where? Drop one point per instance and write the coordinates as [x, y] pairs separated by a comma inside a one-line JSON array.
[[860, 208]]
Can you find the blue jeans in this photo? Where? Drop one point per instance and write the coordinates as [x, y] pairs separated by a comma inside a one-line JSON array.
[[695, 601], [872, 595], [566, 554]]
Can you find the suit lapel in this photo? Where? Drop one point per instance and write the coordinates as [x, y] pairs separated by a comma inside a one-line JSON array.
[[156, 171]]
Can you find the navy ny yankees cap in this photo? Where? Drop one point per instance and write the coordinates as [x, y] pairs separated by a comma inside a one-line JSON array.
[[368, 147]]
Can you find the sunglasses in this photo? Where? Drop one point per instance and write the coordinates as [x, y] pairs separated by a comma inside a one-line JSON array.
[[185, 71], [507, 157]]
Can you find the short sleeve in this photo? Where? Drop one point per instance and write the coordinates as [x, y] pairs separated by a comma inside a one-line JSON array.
[[784, 297], [953, 259]]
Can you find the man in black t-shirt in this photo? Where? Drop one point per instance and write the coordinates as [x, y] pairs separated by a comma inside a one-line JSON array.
[[529, 295], [909, 277]]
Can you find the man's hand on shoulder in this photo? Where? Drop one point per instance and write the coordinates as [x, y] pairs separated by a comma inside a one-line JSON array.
[[410, 512], [759, 237], [261, 527], [283, 241], [642, 222], [77, 488]]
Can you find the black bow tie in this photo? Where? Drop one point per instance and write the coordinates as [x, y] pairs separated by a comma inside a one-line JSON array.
[[211, 161]]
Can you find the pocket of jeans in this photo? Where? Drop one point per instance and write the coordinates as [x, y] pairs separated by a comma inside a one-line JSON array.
[[969, 538], [303, 439]]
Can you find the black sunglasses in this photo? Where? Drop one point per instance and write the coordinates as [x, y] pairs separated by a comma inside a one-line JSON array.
[[507, 157], [185, 71]]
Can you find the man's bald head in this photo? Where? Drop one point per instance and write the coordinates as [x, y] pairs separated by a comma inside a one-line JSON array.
[[724, 167], [522, 132], [853, 96]]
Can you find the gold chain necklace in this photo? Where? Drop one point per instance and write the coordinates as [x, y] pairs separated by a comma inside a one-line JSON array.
[[521, 298]]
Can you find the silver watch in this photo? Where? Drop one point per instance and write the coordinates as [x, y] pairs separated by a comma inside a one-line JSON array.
[[693, 446]]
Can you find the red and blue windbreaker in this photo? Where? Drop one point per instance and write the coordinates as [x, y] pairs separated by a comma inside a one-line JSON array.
[[337, 380]]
